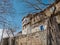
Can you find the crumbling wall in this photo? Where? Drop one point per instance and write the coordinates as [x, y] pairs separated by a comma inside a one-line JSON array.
[[37, 38], [5, 41]]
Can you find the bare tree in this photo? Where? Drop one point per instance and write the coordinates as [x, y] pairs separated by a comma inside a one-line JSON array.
[[6, 9], [37, 5]]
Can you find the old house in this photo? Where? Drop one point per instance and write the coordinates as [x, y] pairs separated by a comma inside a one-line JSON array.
[[33, 23], [40, 29]]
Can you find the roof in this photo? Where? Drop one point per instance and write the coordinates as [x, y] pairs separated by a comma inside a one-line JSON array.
[[27, 16]]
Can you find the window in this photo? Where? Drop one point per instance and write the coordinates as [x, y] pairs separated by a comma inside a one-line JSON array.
[[33, 20], [52, 9], [59, 26], [38, 18], [21, 43], [41, 27]]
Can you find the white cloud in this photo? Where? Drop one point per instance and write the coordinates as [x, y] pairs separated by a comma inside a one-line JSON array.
[[5, 33], [0, 33]]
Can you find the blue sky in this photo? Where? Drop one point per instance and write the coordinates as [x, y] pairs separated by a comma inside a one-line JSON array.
[[21, 10]]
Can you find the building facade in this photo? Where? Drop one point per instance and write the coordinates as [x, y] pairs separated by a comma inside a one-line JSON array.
[[34, 23], [40, 29]]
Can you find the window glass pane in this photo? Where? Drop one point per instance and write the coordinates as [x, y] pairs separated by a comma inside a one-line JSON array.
[[41, 27]]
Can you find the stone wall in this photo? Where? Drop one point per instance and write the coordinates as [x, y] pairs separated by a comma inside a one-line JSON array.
[[37, 38], [40, 37], [5, 41]]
